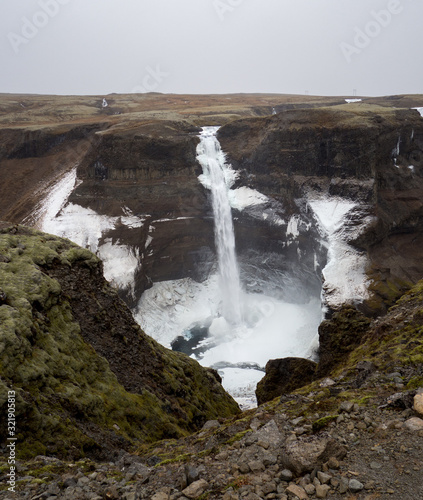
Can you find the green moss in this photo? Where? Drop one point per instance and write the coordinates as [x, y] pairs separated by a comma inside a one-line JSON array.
[[65, 391], [184, 458], [415, 383], [30, 448], [385, 292], [38, 481], [237, 437], [363, 401], [46, 470], [321, 423]]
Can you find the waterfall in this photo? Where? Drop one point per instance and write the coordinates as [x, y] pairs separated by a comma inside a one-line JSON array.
[[212, 160]]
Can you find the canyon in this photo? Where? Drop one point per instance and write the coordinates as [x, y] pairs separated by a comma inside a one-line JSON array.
[[326, 199], [325, 196]]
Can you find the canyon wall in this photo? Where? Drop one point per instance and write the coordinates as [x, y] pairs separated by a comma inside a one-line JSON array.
[[132, 192], [370, 155]]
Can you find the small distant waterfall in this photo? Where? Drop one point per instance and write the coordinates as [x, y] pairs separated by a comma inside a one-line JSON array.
[[212, 159]]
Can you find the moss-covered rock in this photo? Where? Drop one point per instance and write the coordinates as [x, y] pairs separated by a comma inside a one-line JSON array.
[[283, 376], [88, 381], [396, 340], [323, 422], [338, 336]]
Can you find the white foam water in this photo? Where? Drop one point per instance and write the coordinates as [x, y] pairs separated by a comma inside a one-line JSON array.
[[212, 160], [272, 328]]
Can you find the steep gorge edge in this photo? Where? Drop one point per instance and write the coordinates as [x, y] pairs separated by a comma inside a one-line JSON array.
[[261, 147], [276, 447], [88, 381], [341, 153]]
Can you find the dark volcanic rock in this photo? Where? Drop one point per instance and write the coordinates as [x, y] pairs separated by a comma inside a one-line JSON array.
[[284, 375], [369, 154], [338, 336]]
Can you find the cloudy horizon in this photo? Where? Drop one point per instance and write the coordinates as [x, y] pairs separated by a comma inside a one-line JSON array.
[[324, 47]]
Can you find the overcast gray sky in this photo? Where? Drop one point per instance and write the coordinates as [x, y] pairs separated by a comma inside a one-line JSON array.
[[323, 47]]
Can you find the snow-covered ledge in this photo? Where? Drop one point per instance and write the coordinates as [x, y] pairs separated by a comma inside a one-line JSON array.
[[345, 279]]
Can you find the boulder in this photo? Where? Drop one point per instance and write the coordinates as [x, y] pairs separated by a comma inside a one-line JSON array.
[[284, 375], [196, 489], [303, 456], [418, 403], [269, 434], [414, 424], [297, 492]]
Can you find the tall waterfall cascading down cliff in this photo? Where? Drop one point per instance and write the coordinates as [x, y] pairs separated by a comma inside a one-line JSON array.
[[212, 159], [325, 197], [243, 314]]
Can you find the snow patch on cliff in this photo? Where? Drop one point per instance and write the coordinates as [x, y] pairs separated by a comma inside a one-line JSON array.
[[293, 226], [83, 226], [120, 263], [55, 199], [86, 228], [244, 197], [132, 221], [344, 275]]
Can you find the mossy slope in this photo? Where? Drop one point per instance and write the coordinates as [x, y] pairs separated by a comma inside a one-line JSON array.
[[70, 400], [396, 340]]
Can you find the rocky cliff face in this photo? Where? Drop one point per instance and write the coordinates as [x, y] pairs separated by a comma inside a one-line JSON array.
[[87, 379], [337, 178], [369, 155], [150, 172], [132, 194], [130, 168]]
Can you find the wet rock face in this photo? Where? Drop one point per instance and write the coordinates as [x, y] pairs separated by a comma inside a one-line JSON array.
[[367, 154]]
